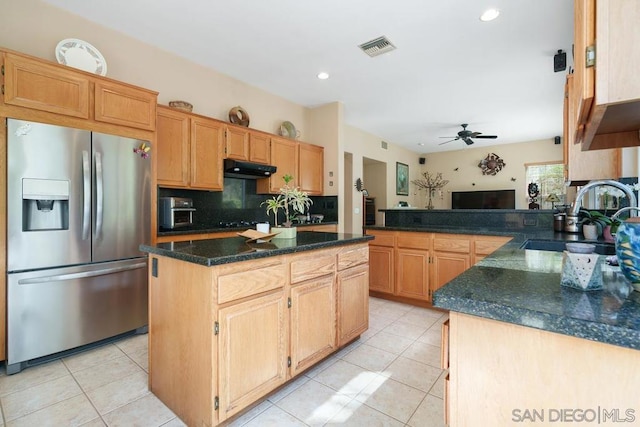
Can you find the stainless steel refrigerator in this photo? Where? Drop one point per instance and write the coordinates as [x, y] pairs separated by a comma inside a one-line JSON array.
[[78, 207]]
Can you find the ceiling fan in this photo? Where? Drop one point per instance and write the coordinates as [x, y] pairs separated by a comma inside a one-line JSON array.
[[466, 135]]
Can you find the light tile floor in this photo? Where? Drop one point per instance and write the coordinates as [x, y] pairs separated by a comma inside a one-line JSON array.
[[390, 377]]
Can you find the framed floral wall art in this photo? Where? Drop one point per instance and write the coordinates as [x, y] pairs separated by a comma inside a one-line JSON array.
[[402, 179]]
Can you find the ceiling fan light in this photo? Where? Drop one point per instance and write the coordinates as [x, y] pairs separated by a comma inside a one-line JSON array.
[[489, 15]]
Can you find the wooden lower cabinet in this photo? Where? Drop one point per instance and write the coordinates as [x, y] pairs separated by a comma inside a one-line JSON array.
[[446, 267], [353, 303], [313, 322], [222, 337], [501, 372], [411, 266], [382, 269], [413, 273], [252, 351]]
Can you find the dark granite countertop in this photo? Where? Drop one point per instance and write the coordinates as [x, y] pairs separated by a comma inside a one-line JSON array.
[[523, 287], [209, 229], [211, 252]]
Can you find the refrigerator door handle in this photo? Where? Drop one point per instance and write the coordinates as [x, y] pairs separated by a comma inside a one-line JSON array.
[[80, 275], [99, 194], [86, 189]]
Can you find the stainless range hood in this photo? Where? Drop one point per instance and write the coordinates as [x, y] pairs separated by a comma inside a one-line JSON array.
[[247, 170]]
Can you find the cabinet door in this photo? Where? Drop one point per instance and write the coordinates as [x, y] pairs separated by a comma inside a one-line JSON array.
[[313, 322], [284, 156], [311, 168], [237, 143], [125, 105], [173, 148], [413, 273], [353, 303], [207, 137], [447, 266], [259, 148], [381, 264], [33, 84], [584, 77], [252, 351]]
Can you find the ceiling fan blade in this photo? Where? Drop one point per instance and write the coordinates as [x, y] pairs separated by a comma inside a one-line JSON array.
[[468, 141], [456, 137], [487, 136], [448, 141]]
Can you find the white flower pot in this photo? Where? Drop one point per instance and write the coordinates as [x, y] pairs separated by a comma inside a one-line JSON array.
[[284, 232], [590, 231]]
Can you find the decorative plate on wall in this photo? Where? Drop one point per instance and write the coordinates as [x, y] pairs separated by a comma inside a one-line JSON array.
[[81, 55]]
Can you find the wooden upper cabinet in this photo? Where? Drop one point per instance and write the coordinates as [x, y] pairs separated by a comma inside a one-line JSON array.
[[584, 76], [207, 137], [173, 148], [311, 168], [125, 105], [237, 143], [585, 165], [248, 145], [34, 84], [284, 156], [48, 90], [608, 93], [260, 148], [189, 150]]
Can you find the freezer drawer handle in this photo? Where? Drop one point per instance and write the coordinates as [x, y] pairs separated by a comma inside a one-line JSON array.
[[99, 195], [86, 187], [81, 275]]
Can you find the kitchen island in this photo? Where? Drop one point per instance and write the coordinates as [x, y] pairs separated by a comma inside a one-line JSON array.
[[522, 348], [230, 320]]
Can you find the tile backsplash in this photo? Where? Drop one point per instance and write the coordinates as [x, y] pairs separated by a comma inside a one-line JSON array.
[[240, 202]]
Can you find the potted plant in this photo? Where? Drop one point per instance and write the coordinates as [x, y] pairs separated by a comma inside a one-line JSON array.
[[292, 201], [594, 224]]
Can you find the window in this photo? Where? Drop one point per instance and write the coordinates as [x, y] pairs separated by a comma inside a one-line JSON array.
[[550, 180]]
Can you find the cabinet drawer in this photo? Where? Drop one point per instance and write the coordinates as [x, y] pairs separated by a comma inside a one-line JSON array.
[[125, 105], [236, 285], [309, 267], [452, 245], [349, 258], [34, 84], [383, 239], [414, 240]]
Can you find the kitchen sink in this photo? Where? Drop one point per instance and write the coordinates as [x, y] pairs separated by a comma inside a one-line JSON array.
[[559, 246]]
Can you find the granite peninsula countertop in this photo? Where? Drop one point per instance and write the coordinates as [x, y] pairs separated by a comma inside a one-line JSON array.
[[211, 252], [523, 287]]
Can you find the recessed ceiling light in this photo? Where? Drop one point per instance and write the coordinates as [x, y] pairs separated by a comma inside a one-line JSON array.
[[323, 76], [489, 15], [421, 143]]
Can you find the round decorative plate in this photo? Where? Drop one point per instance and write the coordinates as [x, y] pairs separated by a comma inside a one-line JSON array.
[[238, 116], [81, 55], [288, 130]]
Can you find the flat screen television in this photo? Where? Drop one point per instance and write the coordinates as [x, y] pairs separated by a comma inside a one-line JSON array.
[[490, 199]]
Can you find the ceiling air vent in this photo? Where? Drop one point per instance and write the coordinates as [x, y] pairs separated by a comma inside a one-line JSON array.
[[377, 46]]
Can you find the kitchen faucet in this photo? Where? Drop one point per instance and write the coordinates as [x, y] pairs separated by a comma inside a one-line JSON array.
[[572, 217]]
